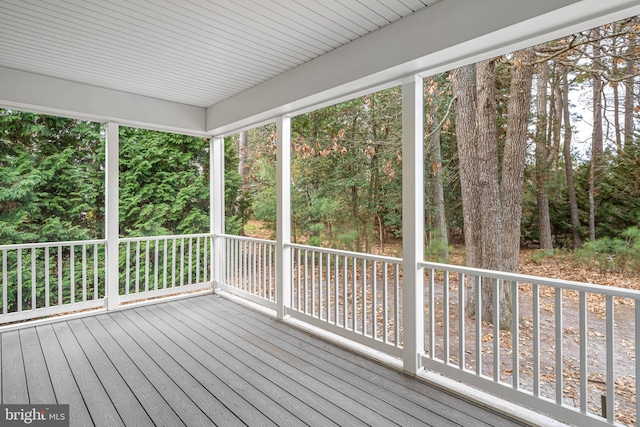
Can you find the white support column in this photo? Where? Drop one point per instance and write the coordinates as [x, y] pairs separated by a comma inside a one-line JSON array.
[[112, 226], [216, 208], [412, 223], [283, 216]]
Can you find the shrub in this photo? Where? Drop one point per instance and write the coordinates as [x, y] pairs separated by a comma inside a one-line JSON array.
[[613, 254]]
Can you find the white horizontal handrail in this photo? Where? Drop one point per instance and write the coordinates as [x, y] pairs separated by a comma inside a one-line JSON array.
[[151, 238], [244, 238], [340, 252], [51, 244], [523, 278]]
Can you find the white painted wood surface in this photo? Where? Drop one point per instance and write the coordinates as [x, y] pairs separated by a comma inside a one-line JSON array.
[[111, 216], [413, 222]]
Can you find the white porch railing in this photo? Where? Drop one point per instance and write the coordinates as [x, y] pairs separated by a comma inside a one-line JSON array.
[[353, 295], [248, 269], [152, 267], [571, 351], [44, 279], [565, 354]]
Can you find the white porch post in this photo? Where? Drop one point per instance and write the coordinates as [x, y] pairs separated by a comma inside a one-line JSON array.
[[112, 153], [412, 222], [283, 215], [216, 208]]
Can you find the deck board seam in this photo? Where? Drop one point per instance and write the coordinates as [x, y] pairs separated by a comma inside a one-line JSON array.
[[71, 370], [281, 373], [331, 376], [132, 363], [46, 365], [87, 361], [435, 393], [198, 380], [365, 381]]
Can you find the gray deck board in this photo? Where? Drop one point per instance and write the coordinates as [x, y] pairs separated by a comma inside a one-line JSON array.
[[207, 360], [265, 396], [146, 393], [398, 407], [155, 352], [360, 405], [38, 380], [172, 391], [226, 398], [102, 410], [14, 388], [64, 384], [126, 403]]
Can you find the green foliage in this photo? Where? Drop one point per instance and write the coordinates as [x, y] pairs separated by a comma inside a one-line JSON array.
[[437, 250], [541, 254], [347, 240], [51, 178], [237, 204], [346, 171], [164, 183], [613, 254], [52, 189]]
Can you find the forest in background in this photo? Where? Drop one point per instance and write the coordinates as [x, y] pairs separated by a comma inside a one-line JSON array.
[[503, 165], [537, 148]]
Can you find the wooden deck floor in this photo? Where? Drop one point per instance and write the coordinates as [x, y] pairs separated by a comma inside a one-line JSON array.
[[209, 361]]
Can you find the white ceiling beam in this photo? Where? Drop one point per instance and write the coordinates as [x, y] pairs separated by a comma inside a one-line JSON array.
[[439, 38], [32, 92]]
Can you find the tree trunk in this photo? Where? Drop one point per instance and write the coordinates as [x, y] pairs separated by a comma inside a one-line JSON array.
[[616, 94], [433, 150], [489, 183], [437, 193], [464, 90], [568, 162], [542, 154], [557, 119], [629, 93], [596, 137], [243, 169], [513, 162]]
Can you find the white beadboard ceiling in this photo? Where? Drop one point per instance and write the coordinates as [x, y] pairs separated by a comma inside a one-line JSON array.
[[196, 52]]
